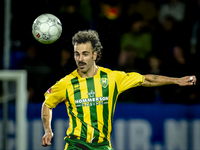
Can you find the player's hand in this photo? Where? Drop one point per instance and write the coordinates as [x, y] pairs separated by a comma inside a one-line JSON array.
[[46, 139], [187, 81]]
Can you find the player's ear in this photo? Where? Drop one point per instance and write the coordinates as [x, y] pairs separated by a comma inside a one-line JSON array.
[[95, 55]]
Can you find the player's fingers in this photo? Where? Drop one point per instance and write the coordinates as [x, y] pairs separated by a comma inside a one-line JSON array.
[[192, 80], [195, 80], [46, 140], [49, 140], [43, 141]]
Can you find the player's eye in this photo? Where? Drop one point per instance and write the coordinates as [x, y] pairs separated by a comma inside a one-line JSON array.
[[85, 54], [76, 54]]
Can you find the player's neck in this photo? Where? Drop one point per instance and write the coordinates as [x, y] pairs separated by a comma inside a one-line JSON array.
[[90, 73]]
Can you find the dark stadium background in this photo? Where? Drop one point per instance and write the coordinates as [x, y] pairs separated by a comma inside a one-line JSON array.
[[90, 15], [174, 44]]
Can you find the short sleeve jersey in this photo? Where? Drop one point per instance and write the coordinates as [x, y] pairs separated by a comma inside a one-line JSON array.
[[91, 101]]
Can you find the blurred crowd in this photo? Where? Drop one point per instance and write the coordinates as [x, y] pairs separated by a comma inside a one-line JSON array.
[[145, 36]]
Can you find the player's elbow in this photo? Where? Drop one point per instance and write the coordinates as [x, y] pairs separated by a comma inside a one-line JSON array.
[[146, 83]]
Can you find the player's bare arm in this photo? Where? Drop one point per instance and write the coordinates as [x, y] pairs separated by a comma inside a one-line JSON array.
[[158, 80], [46, 119]]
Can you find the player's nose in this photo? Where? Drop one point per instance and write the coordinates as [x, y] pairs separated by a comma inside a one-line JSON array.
[[80, 58]]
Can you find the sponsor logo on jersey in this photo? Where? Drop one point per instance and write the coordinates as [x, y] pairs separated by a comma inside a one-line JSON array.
[[104, 82], [91, 101], [91, 94], [76, 87]]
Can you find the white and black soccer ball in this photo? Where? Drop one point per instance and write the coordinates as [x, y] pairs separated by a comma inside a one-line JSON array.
[[46, 28]]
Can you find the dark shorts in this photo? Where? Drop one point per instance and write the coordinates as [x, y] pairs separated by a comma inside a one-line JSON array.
[[76, 144]]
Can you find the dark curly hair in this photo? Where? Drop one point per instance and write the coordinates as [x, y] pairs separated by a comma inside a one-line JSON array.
[[89, 36]]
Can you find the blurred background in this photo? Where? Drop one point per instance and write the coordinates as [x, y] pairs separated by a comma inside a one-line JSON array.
[[145, 36]]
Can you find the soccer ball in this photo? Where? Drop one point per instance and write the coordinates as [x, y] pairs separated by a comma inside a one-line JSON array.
[[46, 28]]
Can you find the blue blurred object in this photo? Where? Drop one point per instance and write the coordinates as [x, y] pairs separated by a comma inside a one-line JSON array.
[[142, 126]]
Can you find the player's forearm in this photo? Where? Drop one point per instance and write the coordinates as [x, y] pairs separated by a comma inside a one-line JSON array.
[[157, 80], [46, 118]]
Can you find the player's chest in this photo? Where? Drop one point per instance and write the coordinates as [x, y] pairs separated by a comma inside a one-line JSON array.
[[89, 91]]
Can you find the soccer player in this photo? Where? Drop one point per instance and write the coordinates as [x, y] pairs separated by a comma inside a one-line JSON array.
[[90, 94]]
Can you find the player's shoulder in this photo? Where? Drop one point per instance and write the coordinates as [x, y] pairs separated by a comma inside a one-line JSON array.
[[106, 70], [118, 74], [111, 73], [68, 77]]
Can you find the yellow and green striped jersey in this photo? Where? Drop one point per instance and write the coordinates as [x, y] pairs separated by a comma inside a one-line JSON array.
[[91, 101]]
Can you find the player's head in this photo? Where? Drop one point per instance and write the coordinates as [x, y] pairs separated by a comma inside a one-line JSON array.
[[89, 36], [87, 49]]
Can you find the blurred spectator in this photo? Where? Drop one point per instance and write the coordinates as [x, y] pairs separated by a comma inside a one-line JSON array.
[[37, 74], [174, 8], [194, 38], [195, 35], [137, 38], [72, 20], [63, 65], [179, 58], [127, 60], [17, 54], [194, 50], [168, 41], [147, 8], [178, 67], [110, 26], [154, 65], [165, 38], [86, 10]]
